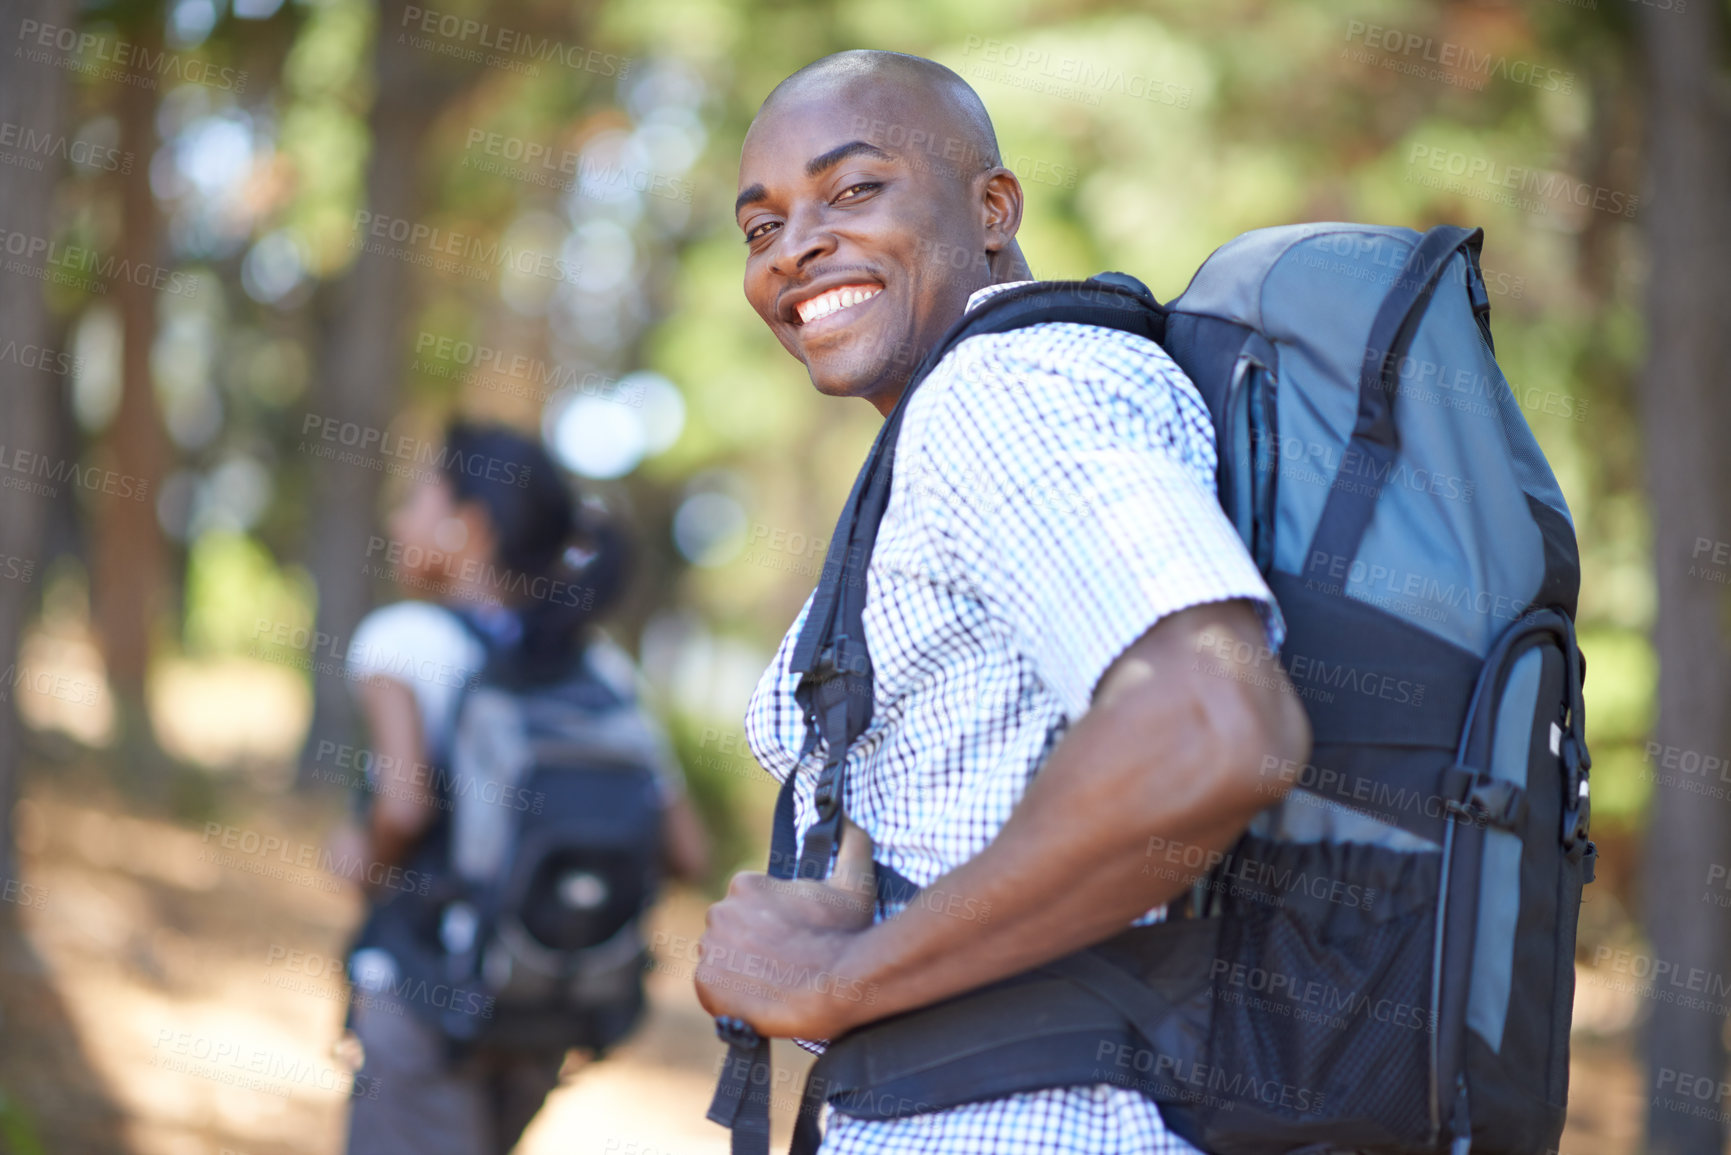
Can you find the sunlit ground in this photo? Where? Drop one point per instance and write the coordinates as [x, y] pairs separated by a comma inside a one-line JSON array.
[[170, 959]]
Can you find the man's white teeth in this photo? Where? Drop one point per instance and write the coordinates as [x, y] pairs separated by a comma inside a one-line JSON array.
[[829, 302]]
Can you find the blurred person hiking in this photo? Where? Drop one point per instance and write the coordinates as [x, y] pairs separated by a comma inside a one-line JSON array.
[[520, 811]]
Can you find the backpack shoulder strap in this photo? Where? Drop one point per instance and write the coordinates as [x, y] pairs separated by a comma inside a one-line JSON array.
[[830, 655]]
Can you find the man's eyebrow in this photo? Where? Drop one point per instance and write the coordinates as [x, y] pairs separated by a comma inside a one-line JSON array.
[[750, 197], [815, 167], [819, 164]]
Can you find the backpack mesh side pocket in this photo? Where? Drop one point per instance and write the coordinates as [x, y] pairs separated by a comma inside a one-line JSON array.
[[1322, 1021]]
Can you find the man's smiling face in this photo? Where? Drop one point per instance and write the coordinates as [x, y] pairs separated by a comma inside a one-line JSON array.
[[860, 253]]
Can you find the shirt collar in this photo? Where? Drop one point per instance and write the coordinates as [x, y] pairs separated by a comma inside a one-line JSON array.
[[991, 291]]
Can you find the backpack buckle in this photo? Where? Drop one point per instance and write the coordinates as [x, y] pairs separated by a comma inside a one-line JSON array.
[[838, 656], [823, 796], [1578, 807], [736, 1032], [1490, 802]]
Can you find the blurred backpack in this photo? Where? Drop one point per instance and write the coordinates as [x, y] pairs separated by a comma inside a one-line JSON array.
[[1384, 962], [542, 863]]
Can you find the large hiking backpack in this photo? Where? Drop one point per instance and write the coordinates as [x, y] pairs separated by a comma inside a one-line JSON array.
[[542, 864], [1384, 962]]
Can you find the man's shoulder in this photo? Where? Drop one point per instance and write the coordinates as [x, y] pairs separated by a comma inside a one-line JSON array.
[[1052, 372]]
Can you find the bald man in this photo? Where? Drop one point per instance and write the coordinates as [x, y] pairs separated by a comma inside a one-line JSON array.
[[1051, 563]]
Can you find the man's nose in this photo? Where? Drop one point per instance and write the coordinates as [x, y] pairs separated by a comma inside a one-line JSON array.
[[804, 238]]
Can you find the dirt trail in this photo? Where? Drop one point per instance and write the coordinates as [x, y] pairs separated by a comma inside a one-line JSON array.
[[184, 992]]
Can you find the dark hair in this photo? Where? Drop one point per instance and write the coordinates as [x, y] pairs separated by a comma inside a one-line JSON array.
[[559, 568]]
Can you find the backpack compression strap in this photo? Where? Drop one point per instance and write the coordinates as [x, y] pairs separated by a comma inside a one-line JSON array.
[[1367, 458], [830, 655]]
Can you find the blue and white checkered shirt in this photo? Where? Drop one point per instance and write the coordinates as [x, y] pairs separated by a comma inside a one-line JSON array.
[[1053, 497]]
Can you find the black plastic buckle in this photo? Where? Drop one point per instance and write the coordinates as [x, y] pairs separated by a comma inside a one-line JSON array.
[[1491, 802], [1578, 808], [736, 1032], [823, 795], [824, 666], [838, 656]]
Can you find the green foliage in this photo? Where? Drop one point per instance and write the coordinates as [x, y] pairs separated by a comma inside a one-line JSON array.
[[1145, 136], [238, 597], [732, 795], [1622, 671]]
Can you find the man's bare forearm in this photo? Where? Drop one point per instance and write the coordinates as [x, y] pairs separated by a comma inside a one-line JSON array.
[[1160, 755]]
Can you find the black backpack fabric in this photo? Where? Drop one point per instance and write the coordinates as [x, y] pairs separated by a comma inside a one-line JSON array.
[[1385, 961], [541, 866]]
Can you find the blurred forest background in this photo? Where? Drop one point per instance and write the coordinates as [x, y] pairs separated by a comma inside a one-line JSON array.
[[254, 253]]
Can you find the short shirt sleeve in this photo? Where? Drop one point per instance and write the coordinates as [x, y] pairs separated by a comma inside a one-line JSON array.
[[426, 648], [1072, 489]]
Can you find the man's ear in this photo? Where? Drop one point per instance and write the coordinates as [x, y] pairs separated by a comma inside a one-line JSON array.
[[1001, 206]]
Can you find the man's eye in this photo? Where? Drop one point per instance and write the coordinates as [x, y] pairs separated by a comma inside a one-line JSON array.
[[757, 232], [864, 186]]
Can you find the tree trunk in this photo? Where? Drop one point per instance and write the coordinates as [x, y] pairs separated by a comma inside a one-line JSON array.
[[129, 582], [363, 363], [33, 96], [364, 358], [1685, 416]]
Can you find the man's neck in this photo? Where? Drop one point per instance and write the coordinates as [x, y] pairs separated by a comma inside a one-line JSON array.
[[1013, 272]]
